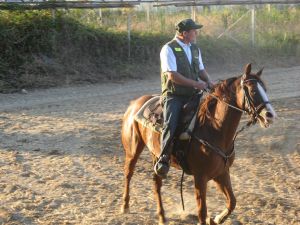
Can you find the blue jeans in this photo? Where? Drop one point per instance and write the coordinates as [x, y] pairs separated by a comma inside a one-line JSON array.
[[172, 107]]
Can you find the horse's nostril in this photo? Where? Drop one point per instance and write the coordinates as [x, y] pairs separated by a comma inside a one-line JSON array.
[[269, 115]]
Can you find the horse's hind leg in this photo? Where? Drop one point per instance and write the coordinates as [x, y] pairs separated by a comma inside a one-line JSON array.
[[156, 188], [224, 185], [133, 151]]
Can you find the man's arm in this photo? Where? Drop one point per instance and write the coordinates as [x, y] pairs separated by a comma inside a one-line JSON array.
[[205, 77], [181, 80], [203, 73]]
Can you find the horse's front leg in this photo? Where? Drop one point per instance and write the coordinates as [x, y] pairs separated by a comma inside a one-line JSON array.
[[224, 184], [200, 191]]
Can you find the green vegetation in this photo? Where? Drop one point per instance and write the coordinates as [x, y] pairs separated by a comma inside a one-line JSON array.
[[37, 50]]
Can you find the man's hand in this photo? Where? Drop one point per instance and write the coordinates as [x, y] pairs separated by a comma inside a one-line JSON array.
[[200, 85], [211, 84]]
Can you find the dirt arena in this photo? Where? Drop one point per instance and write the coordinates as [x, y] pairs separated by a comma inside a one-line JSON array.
[[61, 160]]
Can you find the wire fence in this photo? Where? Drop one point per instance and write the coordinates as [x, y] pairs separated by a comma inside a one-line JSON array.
[[241, 24]]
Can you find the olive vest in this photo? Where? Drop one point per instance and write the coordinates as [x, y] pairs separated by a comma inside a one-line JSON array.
[[184, 67]]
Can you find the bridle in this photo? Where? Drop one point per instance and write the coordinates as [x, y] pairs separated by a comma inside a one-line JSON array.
[[248, 106]]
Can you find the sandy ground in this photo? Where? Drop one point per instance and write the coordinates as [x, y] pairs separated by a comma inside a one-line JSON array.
[[61, 161]]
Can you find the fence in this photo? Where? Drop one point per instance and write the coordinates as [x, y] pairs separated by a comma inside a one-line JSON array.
[[241, 24]]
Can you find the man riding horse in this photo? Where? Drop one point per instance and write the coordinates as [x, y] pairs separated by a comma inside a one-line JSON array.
[[182, 73]]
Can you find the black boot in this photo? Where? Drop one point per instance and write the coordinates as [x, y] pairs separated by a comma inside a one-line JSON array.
[[162, 166]]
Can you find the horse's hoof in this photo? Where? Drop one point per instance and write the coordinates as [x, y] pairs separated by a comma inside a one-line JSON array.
[[161, 221], [218, 219], [210, 221], [124, 210], [222, 217]]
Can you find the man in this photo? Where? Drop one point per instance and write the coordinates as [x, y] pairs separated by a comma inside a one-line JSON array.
[[182, 73]]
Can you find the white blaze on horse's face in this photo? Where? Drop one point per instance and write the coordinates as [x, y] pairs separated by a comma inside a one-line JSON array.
[[268, 114]]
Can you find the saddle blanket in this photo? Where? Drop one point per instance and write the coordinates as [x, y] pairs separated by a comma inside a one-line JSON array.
[[150, 114]]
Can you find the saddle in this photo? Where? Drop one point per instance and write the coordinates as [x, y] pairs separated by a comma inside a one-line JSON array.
[[151, 116]]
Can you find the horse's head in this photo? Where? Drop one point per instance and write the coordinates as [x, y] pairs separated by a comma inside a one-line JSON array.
[[253, 97]]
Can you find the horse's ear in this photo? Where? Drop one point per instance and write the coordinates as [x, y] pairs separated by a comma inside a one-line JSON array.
[[248, 69], [259, 72]]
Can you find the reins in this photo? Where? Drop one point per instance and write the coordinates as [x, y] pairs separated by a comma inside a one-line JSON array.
[[226, 103], [253, 118], [252, 111]]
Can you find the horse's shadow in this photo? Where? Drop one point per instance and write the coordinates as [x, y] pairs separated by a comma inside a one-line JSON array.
[[186, 219], [190, 219]]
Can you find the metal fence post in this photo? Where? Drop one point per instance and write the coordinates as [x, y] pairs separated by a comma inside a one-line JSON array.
[[128, 33], [148, 12], [194, 13], [100, 16], [253, 26]]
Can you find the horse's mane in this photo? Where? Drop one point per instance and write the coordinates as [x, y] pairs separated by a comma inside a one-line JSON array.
[[221, 91]]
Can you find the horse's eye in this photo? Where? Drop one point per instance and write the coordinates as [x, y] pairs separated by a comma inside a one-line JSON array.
[[253, 91]]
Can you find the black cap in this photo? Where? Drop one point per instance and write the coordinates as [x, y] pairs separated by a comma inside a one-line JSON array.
[[186, 25]]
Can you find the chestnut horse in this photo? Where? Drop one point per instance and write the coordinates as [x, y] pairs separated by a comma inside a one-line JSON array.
[[216, 124]]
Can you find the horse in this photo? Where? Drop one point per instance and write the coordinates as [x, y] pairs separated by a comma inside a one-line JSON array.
[[211, 147]]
